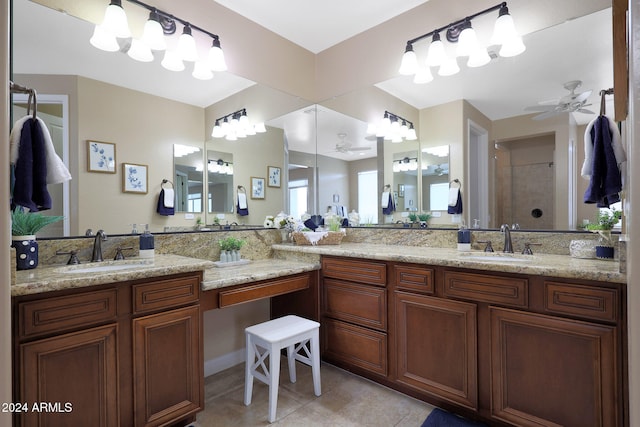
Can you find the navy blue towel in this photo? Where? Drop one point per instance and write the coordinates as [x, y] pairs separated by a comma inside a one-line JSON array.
[[457, 208], [440, 418], [605, 183], [30, 185], [391, 206], [162, 209]]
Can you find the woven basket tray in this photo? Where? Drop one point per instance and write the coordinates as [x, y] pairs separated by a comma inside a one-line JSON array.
[[332, 238]]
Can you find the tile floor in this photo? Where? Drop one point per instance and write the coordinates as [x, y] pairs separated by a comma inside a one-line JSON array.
[[346, 401]]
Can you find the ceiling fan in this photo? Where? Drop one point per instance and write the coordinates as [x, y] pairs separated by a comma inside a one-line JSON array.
[[572, 102], [345, 147]]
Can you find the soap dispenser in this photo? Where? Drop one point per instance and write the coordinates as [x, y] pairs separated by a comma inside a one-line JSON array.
[[464, 238], [147, 243]]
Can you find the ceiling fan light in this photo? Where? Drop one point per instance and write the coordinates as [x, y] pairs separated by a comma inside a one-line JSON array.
[[467, 41], [449, 67], [153, 35], [172, 61], [478, 57], [187, 45], [115, 20], [436, 54], [201, 71], [409, 62], [216, 57], [139, 51], [104, 40], [513, 47], [423, 76]]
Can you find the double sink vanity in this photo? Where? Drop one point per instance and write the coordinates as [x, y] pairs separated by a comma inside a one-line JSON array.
[[524, 340]]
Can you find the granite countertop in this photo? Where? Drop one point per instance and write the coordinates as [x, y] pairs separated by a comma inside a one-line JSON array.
[[220, 277], [537, 264], [53, 278]]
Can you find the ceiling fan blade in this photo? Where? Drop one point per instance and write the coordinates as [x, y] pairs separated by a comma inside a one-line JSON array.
[[546, 115], [585, 111], [540, 108], [363, 148], [582, 96]]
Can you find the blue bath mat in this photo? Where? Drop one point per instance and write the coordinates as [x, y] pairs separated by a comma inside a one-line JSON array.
[[440, 418]]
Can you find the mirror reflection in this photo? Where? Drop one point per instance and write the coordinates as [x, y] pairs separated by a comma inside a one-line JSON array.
[[219, 182], [188, 179], [435, 178], [405, 180]]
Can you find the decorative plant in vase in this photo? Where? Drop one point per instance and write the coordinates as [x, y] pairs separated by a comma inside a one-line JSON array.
[[605, 223], [24, 226], [424, 219], [230, 249]]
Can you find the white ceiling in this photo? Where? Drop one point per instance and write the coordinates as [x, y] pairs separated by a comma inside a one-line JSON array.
[[318, 25]]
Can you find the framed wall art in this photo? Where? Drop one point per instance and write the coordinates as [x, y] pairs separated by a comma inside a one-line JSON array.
[[101, 157], [257, 188], [273, 176], [134, 178]]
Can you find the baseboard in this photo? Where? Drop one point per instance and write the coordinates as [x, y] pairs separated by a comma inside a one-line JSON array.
[[223, 362]]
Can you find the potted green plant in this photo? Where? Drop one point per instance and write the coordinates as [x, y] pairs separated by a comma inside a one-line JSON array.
[[24, 226], [229, 249], [413, 218], [605, 222], [424, 219]]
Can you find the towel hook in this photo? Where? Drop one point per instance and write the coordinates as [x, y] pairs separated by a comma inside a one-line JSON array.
[[603, 93], [455, 181], [164, 181]]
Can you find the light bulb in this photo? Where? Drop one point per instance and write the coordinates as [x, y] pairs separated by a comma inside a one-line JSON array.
[[139, 51], [153, 35], [104, 40], [216, 57], [172, 61], [201, 71], [187, 45], [409, 63], [115, 20]]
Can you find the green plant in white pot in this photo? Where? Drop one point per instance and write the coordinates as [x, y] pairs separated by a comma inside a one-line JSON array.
[[24, 226], [605, 223]]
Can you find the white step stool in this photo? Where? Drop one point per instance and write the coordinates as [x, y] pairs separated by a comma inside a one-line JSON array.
[[267, 339]]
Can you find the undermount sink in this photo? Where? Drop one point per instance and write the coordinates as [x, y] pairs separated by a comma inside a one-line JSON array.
[[103, 268], [496, 257]]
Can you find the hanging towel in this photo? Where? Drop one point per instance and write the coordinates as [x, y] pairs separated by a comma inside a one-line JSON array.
[[455, 201], [30, 166], [387, 203], [241, 206], [605, 183], [166, 202], [618, 150]]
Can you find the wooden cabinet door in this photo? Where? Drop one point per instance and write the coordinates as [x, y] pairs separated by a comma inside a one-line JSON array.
[[547, 371], [72, 379], [167, 366], [436, 347]]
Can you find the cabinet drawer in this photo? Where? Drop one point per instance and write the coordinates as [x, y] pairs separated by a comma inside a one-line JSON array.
[[161, 294], [414, 278], [369, 272], [60, 314], [589, 302], [355, 346], [261, 290], [360, 304], [509, 291]]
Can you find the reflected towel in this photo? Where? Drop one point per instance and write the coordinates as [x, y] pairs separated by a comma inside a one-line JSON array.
[[168, 197], [241, 205], [456, 209], [384, 199], [606, 182], [162, 208], [390, 206]]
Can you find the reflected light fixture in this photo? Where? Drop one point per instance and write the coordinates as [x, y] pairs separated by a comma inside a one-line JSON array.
[[468, 45], [393, 128], [113, 34], [405, 164], [220, 166], [236, 125]]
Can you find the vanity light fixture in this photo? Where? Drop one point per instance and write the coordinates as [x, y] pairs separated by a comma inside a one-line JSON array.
[[405, 164], [220, 166], [113, 35], [468, 45], [236, 125], [394, 128]]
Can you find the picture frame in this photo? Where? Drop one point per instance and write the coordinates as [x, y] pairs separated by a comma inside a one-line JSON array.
[[400, 190], [135, 178], [273, 176], [257, 188], [101, 157]]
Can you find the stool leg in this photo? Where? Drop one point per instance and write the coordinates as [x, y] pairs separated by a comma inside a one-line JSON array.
[[248, 376], [274, 380], [315, 362], [291, 358]]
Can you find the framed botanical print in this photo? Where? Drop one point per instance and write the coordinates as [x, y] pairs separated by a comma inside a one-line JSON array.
[[101, 157], [273, 176], [134, 178], [257, 188]]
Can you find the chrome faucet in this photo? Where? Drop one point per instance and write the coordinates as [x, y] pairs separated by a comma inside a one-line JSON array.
[[97, 246], [508, 247]]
